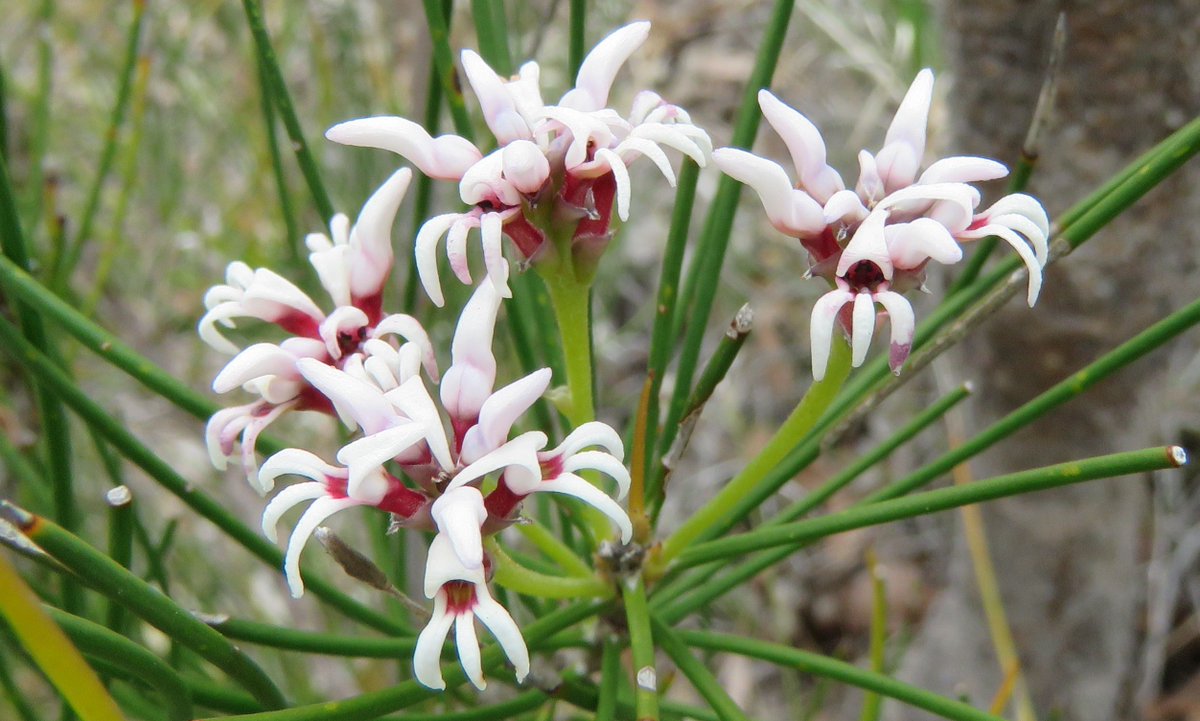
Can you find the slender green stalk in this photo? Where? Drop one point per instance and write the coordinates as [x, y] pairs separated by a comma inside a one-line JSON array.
[[109, 152], [293, 240], [40, 124], [212, 695], [120, 547], [377, 703], [287, 112], [570, 300], [51, 650], [1038, 479], [443, 59], [699, 676], [326, 644], [3, 118], [96, 640], [578, 21], [55, 430], [14, 694], [554, 549], [641, 646], [166, 476], [838, 671], [717, 512], [515, 577], [519, 704], [106, 576], [661, 339], [872, 701], [704, 277], [1066, 389], [610, 672], [423, 194], [491, 29]]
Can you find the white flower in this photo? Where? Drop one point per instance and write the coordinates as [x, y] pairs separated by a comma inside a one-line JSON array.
[[565, 161], [896, 220]]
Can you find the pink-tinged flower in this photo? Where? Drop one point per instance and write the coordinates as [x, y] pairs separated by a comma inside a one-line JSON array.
[[356, 336], [559, 169], [460, 595], [913, 217]]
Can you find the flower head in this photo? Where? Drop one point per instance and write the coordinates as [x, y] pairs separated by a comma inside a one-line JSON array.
[[873, 243], [552, 184]]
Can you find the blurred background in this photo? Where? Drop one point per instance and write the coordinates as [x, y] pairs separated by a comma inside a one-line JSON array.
[[1100, 584]]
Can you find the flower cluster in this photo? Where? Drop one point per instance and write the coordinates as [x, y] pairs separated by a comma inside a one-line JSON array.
[[552, 182], [873, 243]]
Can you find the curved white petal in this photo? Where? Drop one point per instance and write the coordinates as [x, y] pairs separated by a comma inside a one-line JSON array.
[[519, 458], [1021, 204], [286, 500], [599, 68], [821, 328], [427, 666], [259, 359], [372, 235], [603, 462], [791, 211], [502, 626], [696, 146], [442, 565], [846, 207], [641, 146], [467, 644], [344, 319], [1027, 227], [862, 327], [499, 110], [868, 243], [909, 124], [367, 455], [491, 232], [459, 515], [1027, 254], [621, 175], [525, 166], [472, 372], [425, 249], [411, 330], [904, 325], [500, 411], [297, 462], [352, 396], [911, 244], [572, 485], [321, 509], [445, 157], [592, 433], [805, 144], [250, 434], [456, 247], [962, 169], [413, 400]]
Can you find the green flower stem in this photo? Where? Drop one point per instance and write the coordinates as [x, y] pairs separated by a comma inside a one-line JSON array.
[[423, 194], [704, 276], [578, 21], [443, 59], [872, 701], [120, 547], [166, 476], [51, 650], [641, 645], [1072, 386], [39, 133], [838, 671], [554, 549], [610, 673], [515, 577], [579, 692], [287, 112], [106, 576], [212, 695], [108, 154], [377, 703], [661, 338], [571, 302], [699, 676], [294, 240], [95, 640], [519, 704], [55, 430], [491, 29], [745, 491], [1038, 479]]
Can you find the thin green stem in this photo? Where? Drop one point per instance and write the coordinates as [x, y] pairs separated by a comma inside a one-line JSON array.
[[51, 650], [104, 575], [699, 676], [704, 277], [872, 701], [293, 240], [14, 694], [838, 671], [40, 124], [326, 644], [212, 695], [166, 476], [570, 301], [491, 27], [554, 549], [109, 152], [1038, 479], [610, 676], [745, 491], [443, 59], [97, 641], [578, 24], [120, 547], [641, 646], [287, 112], [515, 577]]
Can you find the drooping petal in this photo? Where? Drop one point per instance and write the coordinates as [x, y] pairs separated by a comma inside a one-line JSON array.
[[1023, 249], [491, 232], [806, 146], [456, 247], [425, 249], [520, 459], [445, 157], [592, 433], [427, 657], [630, 147], [570, 484], [911, 244], [1028, 228], [904, 324], [599, 68], [258, 423], [286, 500], [459, 514], [321, 509], [962, 169], [411, 330], [846, 207], [442, 566], [1021, 204], [413, 400], [352, 397], [367, 455], [297, 462], [500, 411], [862, 327], [472, 372], [222, 430], [467, 644], [502, 626], [621, 175], [792, 211], [821, 328], [603, 462], [257, 360]]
